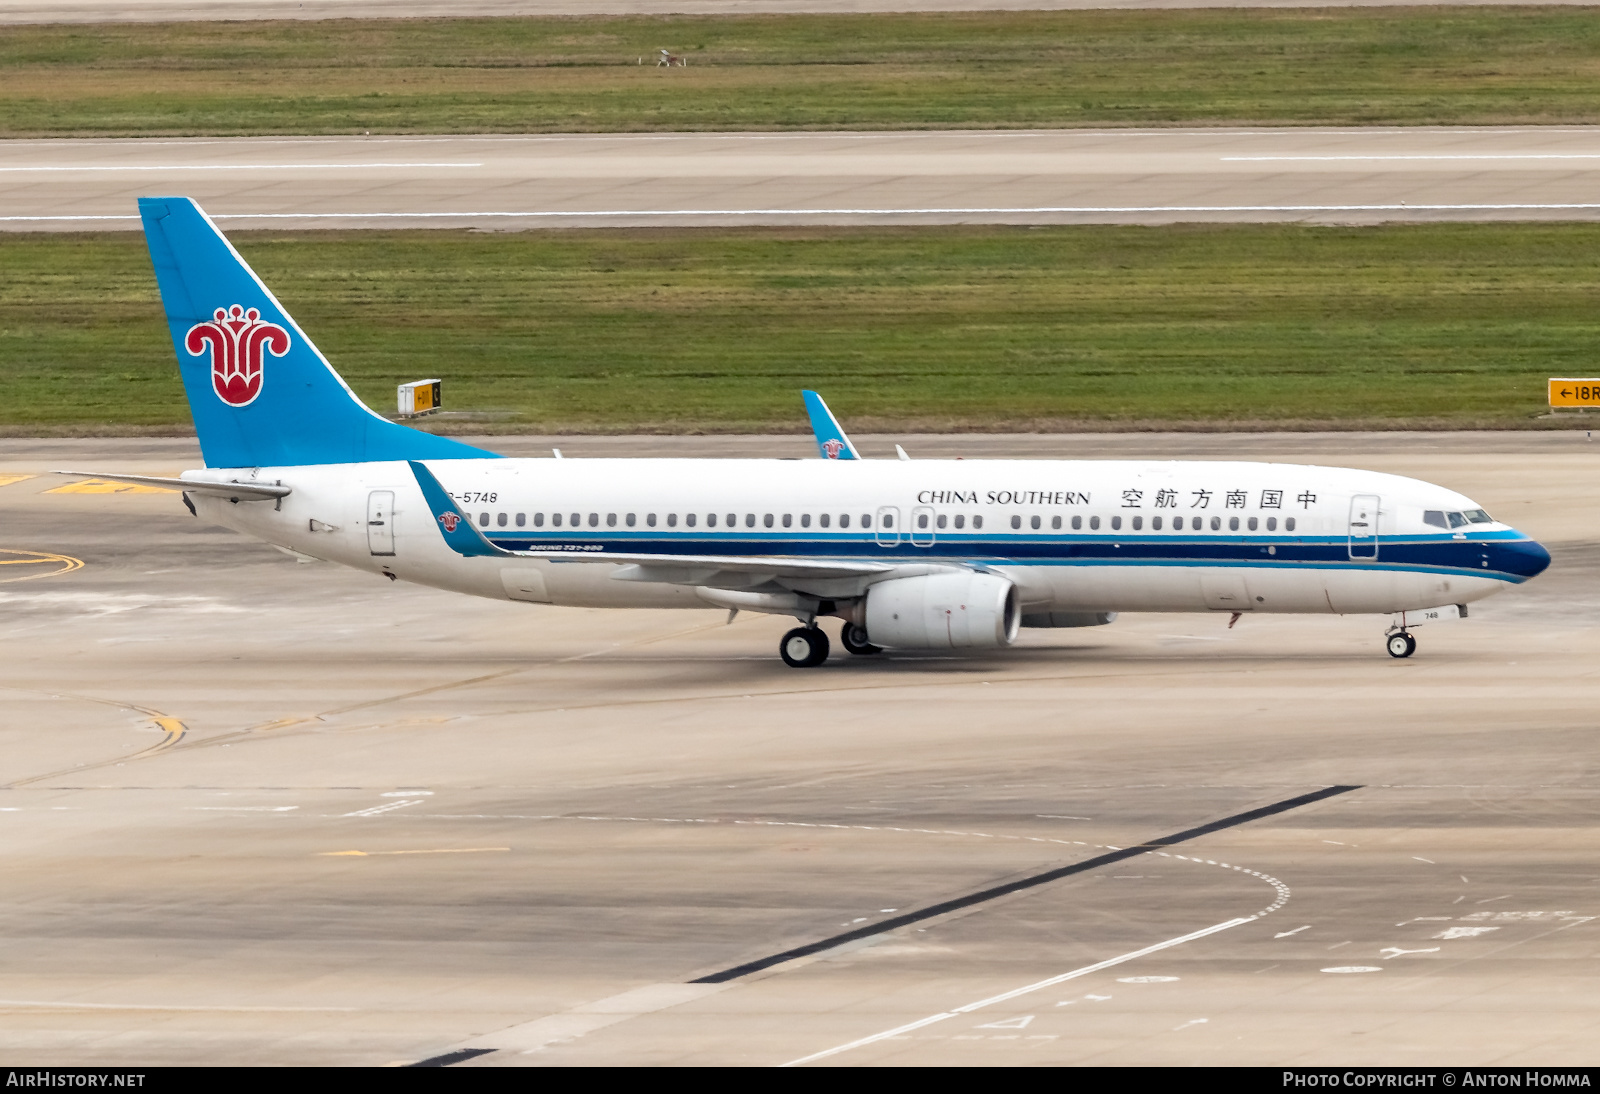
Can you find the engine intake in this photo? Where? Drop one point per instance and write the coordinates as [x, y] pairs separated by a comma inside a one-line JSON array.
[[943, 612]]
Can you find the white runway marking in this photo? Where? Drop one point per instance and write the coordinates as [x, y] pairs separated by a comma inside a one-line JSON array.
[[231, 167], [736, 214], [1385, 159], [1017, 992]]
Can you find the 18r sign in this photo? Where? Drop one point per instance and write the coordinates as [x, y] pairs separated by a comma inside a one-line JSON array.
[[1580, 393]]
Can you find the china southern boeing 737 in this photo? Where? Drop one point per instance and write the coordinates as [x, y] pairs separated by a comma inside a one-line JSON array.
[[921, 555]]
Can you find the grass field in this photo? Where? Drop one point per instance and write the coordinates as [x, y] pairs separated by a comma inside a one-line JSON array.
[[959, 328], [1012, 69]]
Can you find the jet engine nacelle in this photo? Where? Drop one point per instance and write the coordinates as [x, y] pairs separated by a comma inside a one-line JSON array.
[[943, 612]]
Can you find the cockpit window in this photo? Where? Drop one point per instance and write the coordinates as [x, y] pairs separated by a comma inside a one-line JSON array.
[[1478, 516], [1435, 517], [1457, 520]]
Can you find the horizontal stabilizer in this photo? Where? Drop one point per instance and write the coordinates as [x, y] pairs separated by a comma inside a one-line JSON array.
[[233, 491]]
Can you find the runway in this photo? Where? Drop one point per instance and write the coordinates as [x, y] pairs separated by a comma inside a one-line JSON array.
[[1345, 176], [256, 811]]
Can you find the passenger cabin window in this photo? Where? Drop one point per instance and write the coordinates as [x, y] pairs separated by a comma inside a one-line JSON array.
[[1288, 524], [501, 520], [1077, 522], [1094, 524], [483, 519], [1252, 524], [632, 520], [611, 520], [866, 520], [650, 519], [1435, 517], [767, 520], [1233, 524], [577, 519], [888, 521], [555, 519], [1016, 522], [941, 520], [711, 520], [688, 519], [1033, 522], [844, 520], [1055, 524], [672, 520], [594, 520], [1116, 524], [1138, 523], [1272, 524], [805, 520], [733, 520], [538, 520], [922, 520], [522, 520], [788, 519], [1216, 524], [823, 520], [1177, 523], [1155, 524], [977, 522]]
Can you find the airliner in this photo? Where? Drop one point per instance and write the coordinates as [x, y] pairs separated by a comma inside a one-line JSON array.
[[907, 554]]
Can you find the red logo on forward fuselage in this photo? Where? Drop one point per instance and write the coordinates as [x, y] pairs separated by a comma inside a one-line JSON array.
[[449, 520], [239, 341], [833, 446]]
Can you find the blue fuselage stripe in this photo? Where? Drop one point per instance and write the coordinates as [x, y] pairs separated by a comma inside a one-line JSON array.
[[1507, 556]]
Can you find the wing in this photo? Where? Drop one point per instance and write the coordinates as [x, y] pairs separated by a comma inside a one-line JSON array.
[[233, 491], [463, 538]]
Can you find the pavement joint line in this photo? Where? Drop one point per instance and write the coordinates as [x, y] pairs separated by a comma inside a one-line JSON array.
[[995, 892], [1042, 210]]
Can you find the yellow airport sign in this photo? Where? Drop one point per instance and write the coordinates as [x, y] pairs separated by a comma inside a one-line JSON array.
[[1575, 392]]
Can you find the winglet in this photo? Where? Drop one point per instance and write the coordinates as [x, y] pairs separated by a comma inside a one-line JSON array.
[[454, 525], [831, 440]]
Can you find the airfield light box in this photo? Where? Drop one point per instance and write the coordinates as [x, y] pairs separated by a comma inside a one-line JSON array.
[[1565, 391], [422, 397]]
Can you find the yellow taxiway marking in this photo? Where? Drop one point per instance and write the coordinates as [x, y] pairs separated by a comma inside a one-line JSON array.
[[436, 851], [103, 486], [174, 730], [64, 564], [7, 478]]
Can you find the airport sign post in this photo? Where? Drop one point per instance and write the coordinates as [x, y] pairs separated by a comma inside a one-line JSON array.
[[1579, 394]]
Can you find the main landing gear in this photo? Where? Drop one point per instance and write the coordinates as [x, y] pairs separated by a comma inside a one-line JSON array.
[[804, 647], [1401, 644]]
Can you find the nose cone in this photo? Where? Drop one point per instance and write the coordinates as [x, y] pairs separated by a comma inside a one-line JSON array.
[[1524, 557]]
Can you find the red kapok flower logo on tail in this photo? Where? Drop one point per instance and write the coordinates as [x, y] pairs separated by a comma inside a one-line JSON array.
[[449, 520], [239, 340], [833, 447]]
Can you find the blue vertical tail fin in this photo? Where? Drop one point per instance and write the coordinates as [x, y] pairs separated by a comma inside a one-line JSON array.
[[831, 438], [261, 393]]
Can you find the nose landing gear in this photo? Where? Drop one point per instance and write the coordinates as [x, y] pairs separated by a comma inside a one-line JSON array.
[[804, 647], [1401, 644]]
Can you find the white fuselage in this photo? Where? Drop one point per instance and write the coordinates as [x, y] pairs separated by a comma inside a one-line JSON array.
[[1074, 536]]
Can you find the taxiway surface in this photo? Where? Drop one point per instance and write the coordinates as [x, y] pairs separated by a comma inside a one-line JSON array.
[[259, 811], [1150, 176]]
